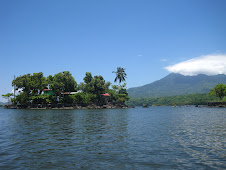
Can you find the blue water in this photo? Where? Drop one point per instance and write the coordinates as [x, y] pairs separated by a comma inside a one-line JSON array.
[[139, 138]]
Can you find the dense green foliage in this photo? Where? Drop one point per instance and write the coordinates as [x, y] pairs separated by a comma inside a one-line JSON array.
[[177, 84], [119, 93], [62, 81], [219, 91], [191, 99], [93, 87], [31, 83], [62, 84]]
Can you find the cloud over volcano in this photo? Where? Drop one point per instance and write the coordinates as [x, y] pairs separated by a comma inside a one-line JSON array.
[[209, 64]]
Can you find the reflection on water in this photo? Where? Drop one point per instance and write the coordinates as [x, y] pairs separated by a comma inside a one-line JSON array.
[[157, 137]]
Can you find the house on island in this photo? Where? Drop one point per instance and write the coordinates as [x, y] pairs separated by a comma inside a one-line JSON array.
[[48, 92], [106, 97], [69, 93]]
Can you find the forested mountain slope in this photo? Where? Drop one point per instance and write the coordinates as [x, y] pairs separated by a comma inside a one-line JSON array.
[[177, 84]]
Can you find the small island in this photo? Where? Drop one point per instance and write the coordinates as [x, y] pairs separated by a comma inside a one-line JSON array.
[[61, 91]]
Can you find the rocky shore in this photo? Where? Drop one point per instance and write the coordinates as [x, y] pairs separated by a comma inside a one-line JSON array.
[[216, 104], [93, 106], [66, 107], [107, 106]]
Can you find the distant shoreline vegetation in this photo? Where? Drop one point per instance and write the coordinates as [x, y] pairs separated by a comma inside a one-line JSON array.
[[217, 94], [191, 99], [35, 90]]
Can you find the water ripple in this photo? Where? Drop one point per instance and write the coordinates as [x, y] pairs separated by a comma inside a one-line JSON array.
[[153, 138]]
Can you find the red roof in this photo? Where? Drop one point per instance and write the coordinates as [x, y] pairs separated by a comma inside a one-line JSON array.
[[106, 94], [46, 90]]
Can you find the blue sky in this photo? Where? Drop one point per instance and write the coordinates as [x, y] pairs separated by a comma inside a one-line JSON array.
[[142, 36]]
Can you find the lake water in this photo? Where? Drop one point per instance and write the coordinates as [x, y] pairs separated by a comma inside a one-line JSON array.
[[139, 138]]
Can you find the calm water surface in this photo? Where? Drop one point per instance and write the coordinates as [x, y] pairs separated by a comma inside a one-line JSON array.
[[150, 138]]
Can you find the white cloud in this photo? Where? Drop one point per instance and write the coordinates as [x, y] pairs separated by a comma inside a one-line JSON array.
[[208, 64]]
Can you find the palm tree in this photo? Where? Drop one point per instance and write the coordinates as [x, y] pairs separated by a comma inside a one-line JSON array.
[[120, 75]]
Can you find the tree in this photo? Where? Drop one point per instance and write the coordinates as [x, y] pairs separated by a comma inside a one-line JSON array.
[[38, 83], [122, 92], [120, 75], [63, 81], [23, 98], [98, 83], [7, 96], [94, 86], [88, 78], [107, 85], [23, 82], [83, 98], [219, 91], [31, 85]]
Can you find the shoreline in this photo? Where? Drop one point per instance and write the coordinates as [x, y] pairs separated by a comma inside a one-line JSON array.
[[107, 106], [216, 104], [92, 106]]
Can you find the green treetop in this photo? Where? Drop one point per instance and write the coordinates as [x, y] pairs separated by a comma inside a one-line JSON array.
[[219, 91], [38, 83], [31, 83], [63, 81], [94, 85], [88, 78]]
